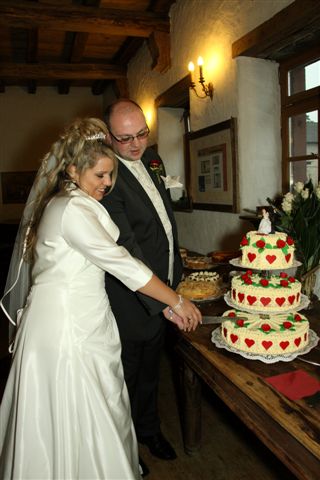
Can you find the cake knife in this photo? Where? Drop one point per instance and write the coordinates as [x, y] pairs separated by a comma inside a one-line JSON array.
[[213, 319]]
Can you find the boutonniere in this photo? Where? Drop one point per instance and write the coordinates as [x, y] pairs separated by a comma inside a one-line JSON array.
[[156, 167]]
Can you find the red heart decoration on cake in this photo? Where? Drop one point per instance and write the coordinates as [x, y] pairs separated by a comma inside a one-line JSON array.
[[241, 296], [291, 299], [233, 337], [287, 257], [265, 300], [297, 341], [284, 345], [251, 299], [251, 256], [266, 344], [271, 258], [249, 342], [234, 294], [280, 301], [225, 332]]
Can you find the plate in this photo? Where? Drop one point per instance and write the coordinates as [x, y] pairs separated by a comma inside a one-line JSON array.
[[222, 257], [206, 260], [210, 298], [207, 299], [303, 304], [220, 342], [208, 266], [236, 263], [197, 269]]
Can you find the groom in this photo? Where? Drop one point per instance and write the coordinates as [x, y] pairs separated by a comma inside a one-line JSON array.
[[140, 205]]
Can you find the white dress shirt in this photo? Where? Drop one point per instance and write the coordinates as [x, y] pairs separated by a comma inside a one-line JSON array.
[[138, 169]]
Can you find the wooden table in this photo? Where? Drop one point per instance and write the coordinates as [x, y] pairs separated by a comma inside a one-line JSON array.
[[290, 429]]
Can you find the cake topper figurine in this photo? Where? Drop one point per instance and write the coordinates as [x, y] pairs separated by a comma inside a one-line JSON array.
[[265, 225]]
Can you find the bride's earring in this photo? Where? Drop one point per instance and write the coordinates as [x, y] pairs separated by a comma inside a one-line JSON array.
[[71, 171]]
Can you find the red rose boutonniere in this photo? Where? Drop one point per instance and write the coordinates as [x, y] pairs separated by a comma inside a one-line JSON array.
[[156, 167]]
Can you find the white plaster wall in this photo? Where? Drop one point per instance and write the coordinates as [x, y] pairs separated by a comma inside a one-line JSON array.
[[170, 135], [208, 28], [259, 141], [30, 123]]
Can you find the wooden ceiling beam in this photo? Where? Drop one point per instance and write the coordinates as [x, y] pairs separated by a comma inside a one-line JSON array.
[[82, 19], [121, 88], [63, 71], [79, 46], [159, 47], [127, 50], [32, 56], [75, 55], [279, 30]]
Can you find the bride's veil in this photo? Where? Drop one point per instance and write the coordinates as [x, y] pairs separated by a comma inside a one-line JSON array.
[[19, 275]]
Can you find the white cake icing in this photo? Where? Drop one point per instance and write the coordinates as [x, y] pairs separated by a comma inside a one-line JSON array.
[[274, 293], [203, 276], [265, 334], [267, 252]]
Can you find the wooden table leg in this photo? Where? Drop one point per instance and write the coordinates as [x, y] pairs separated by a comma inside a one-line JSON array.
[[191, 419]]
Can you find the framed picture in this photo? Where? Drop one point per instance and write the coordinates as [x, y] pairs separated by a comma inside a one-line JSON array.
[[16, 186], [211, 167]]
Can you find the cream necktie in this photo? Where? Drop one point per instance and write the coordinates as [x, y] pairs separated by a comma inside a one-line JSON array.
[[141, 174]]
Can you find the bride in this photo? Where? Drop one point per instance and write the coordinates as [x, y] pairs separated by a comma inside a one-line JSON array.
[[65, 411]]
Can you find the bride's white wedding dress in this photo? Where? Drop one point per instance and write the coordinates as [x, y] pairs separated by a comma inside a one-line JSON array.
[[65, 412]]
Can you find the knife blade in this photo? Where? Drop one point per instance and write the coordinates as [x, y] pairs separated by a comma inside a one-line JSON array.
[[213, 319]]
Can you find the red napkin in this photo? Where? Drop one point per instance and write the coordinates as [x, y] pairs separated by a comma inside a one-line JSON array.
[[295, 385]]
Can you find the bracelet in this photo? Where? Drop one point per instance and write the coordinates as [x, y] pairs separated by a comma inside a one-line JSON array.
[[171, 312], [179, 303]]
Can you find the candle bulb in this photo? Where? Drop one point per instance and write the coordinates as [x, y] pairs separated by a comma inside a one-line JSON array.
[[200, 64], [191, 70], [207, 89]]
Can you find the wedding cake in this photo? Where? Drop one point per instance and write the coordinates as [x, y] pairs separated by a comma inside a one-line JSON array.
[[261, 334], [265, 319]]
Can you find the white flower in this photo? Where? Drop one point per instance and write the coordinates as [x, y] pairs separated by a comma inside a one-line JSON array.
[[286, 206], [298, 187], [289, 197], [305, 193], [317, 191]]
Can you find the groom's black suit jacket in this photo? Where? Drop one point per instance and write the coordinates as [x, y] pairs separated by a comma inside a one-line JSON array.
[[143, 235]]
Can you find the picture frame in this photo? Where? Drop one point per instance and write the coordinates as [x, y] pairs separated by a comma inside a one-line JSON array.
[[211, 167]]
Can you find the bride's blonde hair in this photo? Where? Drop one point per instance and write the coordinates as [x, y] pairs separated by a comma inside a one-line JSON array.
[[81, 145]]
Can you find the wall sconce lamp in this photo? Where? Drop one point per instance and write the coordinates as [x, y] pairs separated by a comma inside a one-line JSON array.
[[206, 88]]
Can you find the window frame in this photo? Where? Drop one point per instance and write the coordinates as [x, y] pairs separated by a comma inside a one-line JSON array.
[[296, 104]]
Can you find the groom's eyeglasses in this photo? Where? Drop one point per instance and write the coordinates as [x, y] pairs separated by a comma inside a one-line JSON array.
[[124, 139]]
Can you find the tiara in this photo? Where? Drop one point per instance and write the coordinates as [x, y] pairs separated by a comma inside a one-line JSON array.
[[96, 136]]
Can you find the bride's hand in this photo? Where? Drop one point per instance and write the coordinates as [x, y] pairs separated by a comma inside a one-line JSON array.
[[174, 318], [188, 312]]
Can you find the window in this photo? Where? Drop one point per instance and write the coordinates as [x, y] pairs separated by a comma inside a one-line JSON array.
[[300, 103]]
